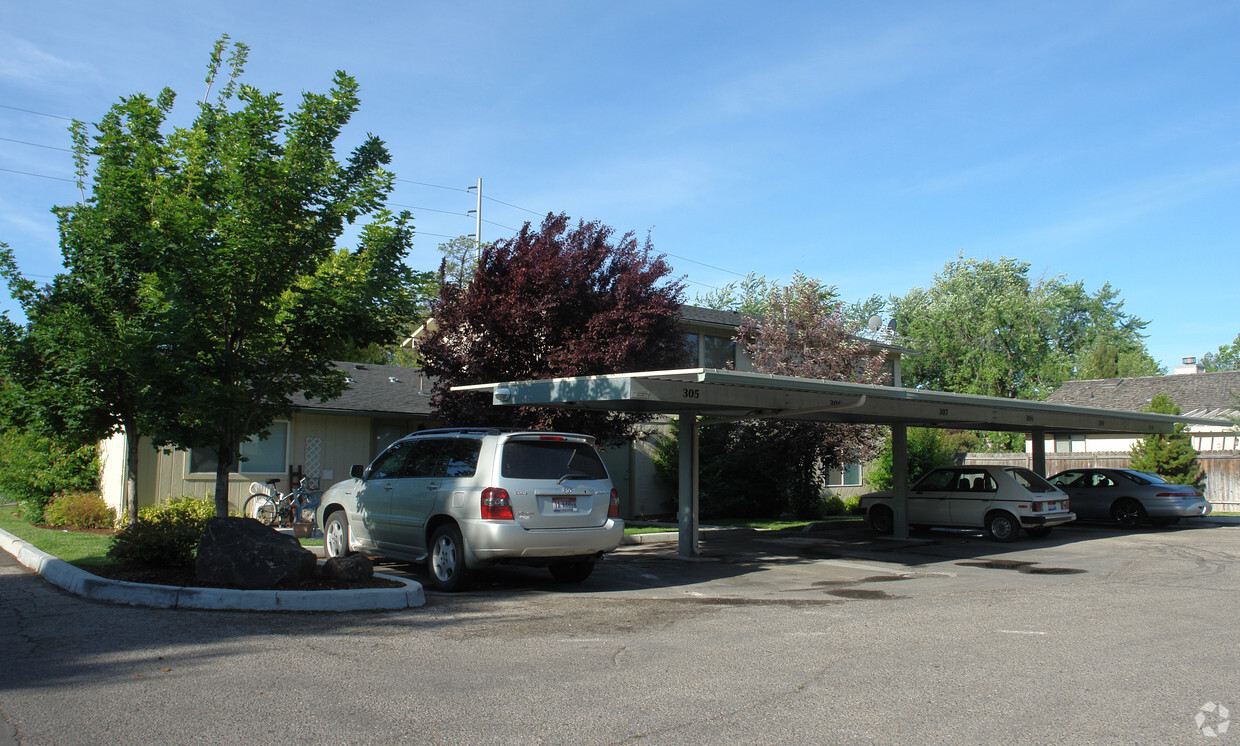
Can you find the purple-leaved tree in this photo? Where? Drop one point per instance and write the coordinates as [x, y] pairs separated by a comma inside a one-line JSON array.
[[551, 302]]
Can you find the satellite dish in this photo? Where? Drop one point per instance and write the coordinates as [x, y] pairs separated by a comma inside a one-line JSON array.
[[875, 323], [891, 326]]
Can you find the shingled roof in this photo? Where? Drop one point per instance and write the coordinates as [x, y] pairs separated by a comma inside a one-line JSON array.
[[1197, 394], [376, 390]]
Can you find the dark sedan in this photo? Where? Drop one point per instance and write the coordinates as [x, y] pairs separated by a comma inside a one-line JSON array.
[[1129, 498]]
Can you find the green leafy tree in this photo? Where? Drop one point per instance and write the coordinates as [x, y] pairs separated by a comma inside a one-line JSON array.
[[1226, 358], [86, 364], [748, 295], [1170, 456], [227, 286], [985, 327], [460, 259], [928, 448]]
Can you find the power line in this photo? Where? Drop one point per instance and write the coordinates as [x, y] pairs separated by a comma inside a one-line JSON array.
[[515, 207], [428, 209], [437, 186], [704, 264], [35, 144], [40, 113], [500, 225], [41, 176]]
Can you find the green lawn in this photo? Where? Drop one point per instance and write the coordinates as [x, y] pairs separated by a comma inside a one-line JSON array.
[[74, 547]]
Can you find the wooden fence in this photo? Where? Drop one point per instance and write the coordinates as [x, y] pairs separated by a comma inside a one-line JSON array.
[[1222, 469]]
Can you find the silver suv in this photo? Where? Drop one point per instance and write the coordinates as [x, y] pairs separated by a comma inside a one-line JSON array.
[[465, 498]]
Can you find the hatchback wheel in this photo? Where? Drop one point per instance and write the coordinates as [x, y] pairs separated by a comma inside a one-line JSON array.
[[447, 558], [882, 520], [1002, 526], [1127, 513]]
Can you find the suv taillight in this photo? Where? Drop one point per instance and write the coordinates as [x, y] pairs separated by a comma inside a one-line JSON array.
[[496, 506], [613, 508]]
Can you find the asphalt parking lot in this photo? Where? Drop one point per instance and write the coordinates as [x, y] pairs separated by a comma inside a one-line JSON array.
[[817, 566], [1089, 636]]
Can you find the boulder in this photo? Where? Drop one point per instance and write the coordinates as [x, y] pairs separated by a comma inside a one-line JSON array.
[[351, 568], [243, 552]]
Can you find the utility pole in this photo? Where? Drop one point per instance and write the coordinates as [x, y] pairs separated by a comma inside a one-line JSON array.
[[478, 222]]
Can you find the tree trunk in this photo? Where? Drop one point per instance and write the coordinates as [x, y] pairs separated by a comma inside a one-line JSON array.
[[223, 465], [130, 503]]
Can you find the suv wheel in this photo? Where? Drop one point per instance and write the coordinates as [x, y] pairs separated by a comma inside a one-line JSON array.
[[336, 535], [447, 558]]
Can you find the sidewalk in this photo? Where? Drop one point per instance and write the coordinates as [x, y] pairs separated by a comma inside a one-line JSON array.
[[85, 584]]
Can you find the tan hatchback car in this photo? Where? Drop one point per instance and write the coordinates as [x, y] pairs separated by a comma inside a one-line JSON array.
[[465, 498], [1001, 500]]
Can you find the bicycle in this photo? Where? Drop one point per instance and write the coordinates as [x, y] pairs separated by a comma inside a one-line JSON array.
[[271, 507]]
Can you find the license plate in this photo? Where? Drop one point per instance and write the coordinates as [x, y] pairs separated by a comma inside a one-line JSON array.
[[565, 504]]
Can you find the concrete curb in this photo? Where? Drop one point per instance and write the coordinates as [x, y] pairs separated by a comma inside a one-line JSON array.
[[85, 584]]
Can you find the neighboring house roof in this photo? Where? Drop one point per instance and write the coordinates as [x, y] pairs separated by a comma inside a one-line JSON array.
[[1196, 394], [712, 316], [375, 390]]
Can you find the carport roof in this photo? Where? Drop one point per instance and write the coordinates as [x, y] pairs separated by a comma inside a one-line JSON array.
[[727, 394]]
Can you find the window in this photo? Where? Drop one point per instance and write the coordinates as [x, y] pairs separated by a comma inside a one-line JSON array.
[[718, 352], [849, 476], [261, 456], [459, 458], [391, 463], [689, 357], [1069, 443], [532, 459]]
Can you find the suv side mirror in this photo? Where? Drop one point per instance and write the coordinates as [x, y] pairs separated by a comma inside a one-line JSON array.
[[357, 471]]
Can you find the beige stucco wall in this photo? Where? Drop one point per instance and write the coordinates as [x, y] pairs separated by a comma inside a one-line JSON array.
[[332, 443]]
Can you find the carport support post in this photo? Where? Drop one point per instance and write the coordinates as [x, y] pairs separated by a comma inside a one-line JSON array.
[[1039, 452], [688, 512], [899, 479]]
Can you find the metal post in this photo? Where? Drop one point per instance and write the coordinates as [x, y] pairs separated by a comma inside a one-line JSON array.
[[688, 512], [478, 223], [1039, 452], [899, 479]]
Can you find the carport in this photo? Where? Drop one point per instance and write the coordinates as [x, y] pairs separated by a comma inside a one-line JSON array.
[[717, 396]]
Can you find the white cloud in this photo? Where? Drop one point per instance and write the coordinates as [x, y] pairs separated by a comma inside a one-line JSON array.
[[25, 64]]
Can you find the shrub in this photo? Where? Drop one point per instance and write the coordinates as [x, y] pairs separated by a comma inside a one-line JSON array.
[[80, 509], [34, 467], [833, 505], [164, 535]]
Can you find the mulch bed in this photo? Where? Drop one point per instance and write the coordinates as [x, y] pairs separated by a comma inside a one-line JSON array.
[[186, 577]]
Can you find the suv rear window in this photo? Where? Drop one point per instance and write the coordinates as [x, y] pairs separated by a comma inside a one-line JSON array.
[[544, 459]]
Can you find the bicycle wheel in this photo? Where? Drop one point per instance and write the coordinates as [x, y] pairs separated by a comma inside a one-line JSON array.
[[261, 508]]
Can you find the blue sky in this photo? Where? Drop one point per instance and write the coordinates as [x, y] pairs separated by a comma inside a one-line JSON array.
[[866, 144]]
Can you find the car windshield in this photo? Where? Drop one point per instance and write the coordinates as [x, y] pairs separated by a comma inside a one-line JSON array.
[[1030, 480]]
